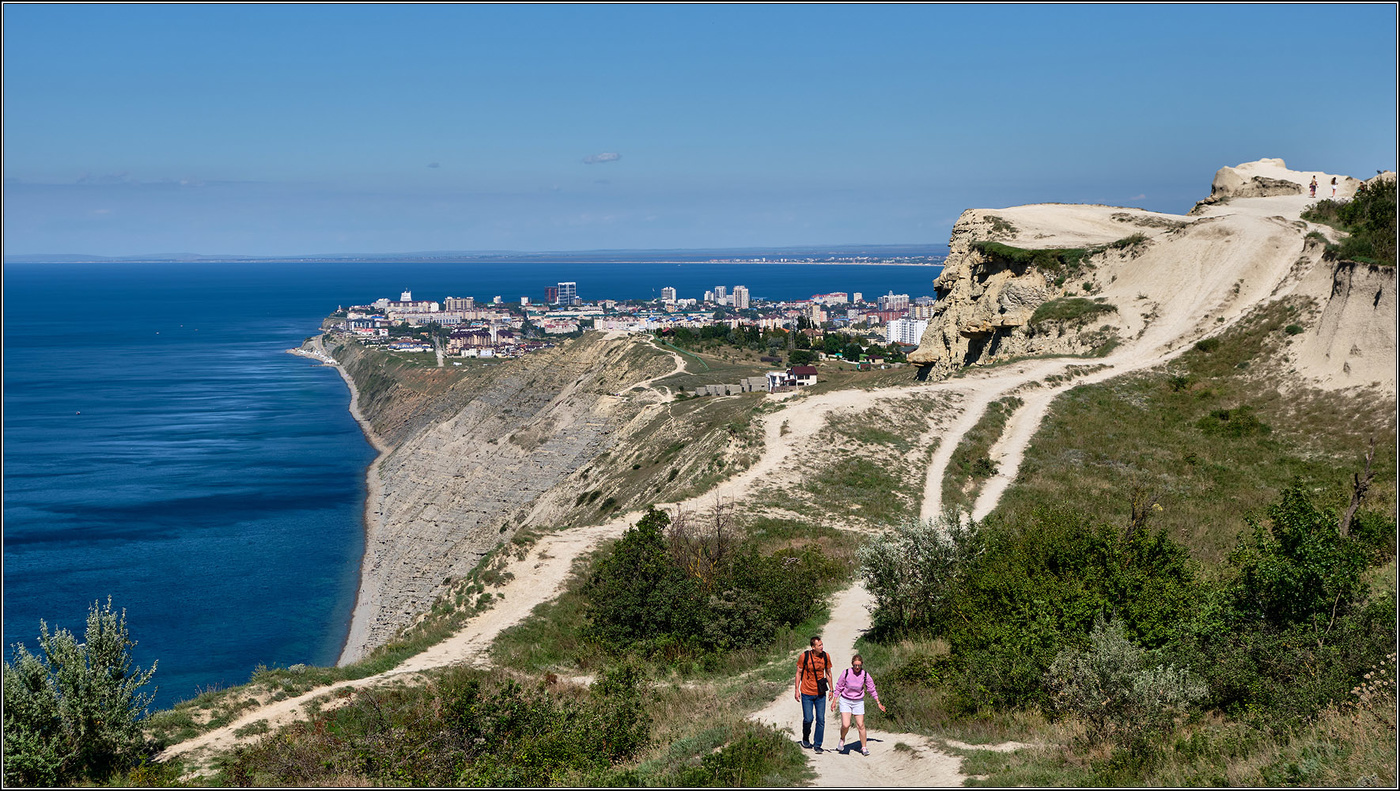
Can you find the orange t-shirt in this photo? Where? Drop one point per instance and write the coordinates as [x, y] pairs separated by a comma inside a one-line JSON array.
[[813, 666]]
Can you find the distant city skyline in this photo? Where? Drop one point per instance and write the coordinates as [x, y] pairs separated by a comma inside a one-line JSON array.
[[284, 130]]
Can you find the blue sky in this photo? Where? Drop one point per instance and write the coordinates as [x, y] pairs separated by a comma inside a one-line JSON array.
[[273, 129]]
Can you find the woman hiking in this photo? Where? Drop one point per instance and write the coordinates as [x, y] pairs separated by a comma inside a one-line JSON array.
[[850, 692]]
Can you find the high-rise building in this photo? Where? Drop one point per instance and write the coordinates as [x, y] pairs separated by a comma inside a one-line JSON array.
[[524, 300], [893, 301], [668, 294], [741, 297], [709, 296], [568, 293], [406, 296], [906, 331], [721, 292], [551, 295], [458, 303], [857, 297]]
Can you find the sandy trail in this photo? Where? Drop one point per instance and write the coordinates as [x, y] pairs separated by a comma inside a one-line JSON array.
[[921, 765], [538, 578]]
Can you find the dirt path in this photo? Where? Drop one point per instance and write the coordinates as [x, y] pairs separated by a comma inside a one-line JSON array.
[[538, 578], [922, 764]]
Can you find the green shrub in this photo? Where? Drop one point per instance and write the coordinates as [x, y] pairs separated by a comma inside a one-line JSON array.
[[1115, 690], [1036, 587], [1238, 422], [752, 759], [74, 710], [637, 593], [678, 590], [1294, 329], [912, 569], [1207, 345], [466, 727], [1368, 220], [1066, 309], [1293, 630]]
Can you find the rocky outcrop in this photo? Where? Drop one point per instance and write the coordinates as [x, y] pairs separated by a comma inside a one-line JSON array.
[[1265, 178], [1353, 342], [1239, 182], [988, 296]]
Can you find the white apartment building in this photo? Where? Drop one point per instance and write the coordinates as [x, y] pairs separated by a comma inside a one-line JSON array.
[[668, 295], [741, 297], [906, 331], [568, 293], [893, 301], [458, 303]]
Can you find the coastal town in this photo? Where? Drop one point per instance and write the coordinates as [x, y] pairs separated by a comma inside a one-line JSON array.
[[843, 326]]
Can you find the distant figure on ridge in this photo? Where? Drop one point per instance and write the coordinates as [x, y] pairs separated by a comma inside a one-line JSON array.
[[1312, 188], [1334, 186], [850, 691], [812, 687]]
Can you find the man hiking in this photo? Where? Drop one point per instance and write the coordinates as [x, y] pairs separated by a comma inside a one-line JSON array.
[[811, 687]]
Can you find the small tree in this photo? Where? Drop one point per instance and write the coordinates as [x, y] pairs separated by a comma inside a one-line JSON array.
[[912, 570], [74, 710], [1116, 691], [638, 592]]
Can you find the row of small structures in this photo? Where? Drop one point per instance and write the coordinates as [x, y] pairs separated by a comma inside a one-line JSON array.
[[772, 382]]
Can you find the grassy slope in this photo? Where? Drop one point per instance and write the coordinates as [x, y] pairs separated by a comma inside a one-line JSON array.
[[1102, 442]]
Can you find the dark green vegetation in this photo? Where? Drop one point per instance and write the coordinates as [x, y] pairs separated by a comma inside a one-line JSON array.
[[1060, 263], [698, 595], [1368, 220], [72, 711], [474, 728], [1070, 309], [1114, 630]]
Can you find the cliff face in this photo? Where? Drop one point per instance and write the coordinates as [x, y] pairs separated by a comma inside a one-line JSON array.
[[1000, 274], [1353, 341], [471, 454]]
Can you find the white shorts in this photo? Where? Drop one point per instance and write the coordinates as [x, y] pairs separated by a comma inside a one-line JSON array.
[[852, 706]]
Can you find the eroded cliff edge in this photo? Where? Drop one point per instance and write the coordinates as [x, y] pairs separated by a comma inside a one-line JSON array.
[[1072, 279], [470, 453]]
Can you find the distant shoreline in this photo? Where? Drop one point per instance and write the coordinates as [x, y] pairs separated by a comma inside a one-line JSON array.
[[372, 491]]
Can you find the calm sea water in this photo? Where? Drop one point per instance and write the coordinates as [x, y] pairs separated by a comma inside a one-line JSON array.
[[161, 448]]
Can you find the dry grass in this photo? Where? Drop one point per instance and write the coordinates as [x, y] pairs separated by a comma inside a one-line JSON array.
[[1142, 434]]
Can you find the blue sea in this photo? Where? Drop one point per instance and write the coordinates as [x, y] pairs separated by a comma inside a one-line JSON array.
[[161, 448]]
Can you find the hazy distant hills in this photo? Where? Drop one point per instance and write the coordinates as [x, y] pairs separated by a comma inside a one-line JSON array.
[[894, 253]]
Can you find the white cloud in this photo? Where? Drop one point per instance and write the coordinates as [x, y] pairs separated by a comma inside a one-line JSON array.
[[1137, 197], [598, 159]]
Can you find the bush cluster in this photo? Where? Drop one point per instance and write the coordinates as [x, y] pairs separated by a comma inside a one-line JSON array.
[[1289, 627], [680, 590], [1116, 690], [467, 728], [1369, 220]]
